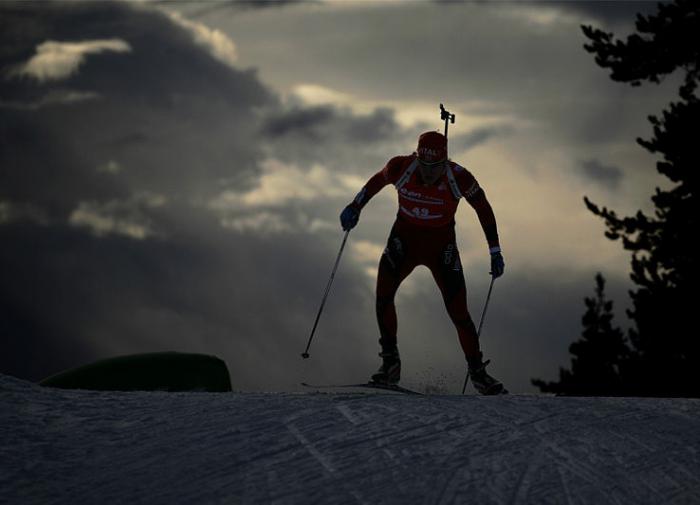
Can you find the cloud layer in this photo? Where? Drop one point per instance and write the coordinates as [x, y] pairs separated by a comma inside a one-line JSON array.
[[159, 192]]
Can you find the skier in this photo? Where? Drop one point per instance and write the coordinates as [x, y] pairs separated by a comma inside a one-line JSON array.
[[429, 187]]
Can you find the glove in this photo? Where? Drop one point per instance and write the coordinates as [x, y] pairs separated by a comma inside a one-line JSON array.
[[349, 218], [497, 264]]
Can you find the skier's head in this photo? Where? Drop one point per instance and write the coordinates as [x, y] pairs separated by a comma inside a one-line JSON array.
[[432, 148]]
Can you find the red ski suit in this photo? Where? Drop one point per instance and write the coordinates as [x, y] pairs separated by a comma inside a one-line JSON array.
[[424, 234]]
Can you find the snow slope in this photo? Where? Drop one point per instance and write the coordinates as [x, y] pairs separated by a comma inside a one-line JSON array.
[[75, 447]]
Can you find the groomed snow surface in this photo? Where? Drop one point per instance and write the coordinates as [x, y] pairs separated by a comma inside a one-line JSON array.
[[75, 447]]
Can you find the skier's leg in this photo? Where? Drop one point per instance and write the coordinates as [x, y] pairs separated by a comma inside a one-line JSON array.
[[448, 274], [394, 267], [450, 279]]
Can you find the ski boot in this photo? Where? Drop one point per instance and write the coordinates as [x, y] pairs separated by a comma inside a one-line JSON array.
[[483, 382], [390, 371]]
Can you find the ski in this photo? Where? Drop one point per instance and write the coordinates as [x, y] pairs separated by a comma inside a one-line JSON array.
[[370, 385]]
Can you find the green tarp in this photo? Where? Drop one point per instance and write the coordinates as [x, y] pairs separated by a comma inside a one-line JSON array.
[[161, 371]]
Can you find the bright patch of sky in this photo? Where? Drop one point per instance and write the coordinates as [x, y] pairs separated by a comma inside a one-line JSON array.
[[56, 60], [125, 218], [282, 183], [218, 43]]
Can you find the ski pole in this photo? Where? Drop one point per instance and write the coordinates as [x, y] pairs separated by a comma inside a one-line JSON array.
[[305, 354], [481, 323]]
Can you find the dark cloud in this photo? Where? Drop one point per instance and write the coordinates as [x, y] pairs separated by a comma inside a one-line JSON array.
[[378, 126], [167, 111], [326, 122], [171, 121], [479, 136], [44, 170], [334, 136], [307, 123], [605, 175]]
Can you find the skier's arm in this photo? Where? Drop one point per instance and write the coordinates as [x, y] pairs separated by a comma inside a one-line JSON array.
[[387, 175], [373, 186], [488, 223], [487, 219], [476, 197]]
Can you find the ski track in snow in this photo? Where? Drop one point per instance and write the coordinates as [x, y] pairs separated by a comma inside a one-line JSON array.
[[88, 447]]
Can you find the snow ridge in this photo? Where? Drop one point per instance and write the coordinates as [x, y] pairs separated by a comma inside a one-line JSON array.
[[89, 447]]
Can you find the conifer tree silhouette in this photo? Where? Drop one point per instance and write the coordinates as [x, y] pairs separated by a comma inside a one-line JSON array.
[[665, 356], [597, 357]]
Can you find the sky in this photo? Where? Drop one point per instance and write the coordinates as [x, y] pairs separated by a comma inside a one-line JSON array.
[[171, 176]]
